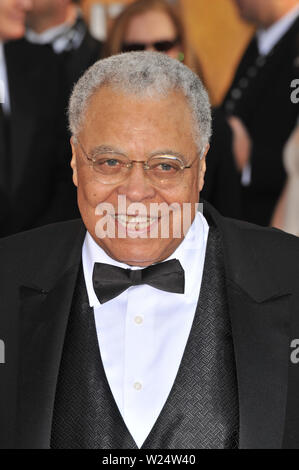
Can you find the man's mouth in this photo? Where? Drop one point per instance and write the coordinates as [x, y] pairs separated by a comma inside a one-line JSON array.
[[133, 223]]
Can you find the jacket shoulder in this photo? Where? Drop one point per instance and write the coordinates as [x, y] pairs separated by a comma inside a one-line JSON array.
[[38, 244], [264, 234], [263, 261]]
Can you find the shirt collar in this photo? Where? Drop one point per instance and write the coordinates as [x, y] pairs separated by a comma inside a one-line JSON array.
[[63, 37], [190, 253], [268, 38], [49, 35]]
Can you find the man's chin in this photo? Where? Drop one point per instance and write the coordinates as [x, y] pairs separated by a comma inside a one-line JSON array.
[[136, 252]]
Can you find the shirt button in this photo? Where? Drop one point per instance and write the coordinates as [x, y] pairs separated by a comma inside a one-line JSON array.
[[137, 386], [244, 82], [252, 72], [230, 106], [236, 93], [138, 320], [260, 61]]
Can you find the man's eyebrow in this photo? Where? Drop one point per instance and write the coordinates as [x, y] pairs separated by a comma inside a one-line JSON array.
[[170, 152], [106, 149], [101, 149]]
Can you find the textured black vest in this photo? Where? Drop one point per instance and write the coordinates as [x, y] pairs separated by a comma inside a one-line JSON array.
[[202, 408]]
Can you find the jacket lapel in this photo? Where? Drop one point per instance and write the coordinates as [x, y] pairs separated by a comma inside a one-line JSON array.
[[44, 312], [261, 341], [291, 434], [259, 305]]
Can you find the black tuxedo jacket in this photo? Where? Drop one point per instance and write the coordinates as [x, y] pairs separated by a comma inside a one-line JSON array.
[[38, 274], [268, 113]]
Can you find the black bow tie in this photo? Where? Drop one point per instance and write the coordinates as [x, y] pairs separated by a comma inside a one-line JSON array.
[[110, 281]]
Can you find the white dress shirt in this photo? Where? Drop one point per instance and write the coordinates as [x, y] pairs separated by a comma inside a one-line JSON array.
[[4, 90], [143, 332], [268, 38], [46, 37]]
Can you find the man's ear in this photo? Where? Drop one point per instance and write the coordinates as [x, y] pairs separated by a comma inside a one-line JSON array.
[[202, 168], [74, 162]]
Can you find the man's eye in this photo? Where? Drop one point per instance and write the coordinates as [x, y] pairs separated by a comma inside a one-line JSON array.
[[112, 162], [109, 162], [167, 167]]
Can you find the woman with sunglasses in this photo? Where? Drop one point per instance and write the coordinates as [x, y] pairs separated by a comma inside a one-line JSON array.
[[152, 25]]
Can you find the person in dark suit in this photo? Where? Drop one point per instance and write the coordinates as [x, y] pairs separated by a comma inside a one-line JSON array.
[[40, 76], [131, 337], [61, 25], [259, 106], [12, 26]]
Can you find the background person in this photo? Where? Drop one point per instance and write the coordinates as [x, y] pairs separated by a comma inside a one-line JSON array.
[[145, 22], [59, 23], [40, 74], [259, 104], [286, 214], [12, 26]]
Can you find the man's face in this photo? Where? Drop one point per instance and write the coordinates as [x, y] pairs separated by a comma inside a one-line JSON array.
[[138, 128], [12, 18]]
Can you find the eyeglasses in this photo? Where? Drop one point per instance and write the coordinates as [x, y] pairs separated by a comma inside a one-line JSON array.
[[162, 170], [160, 46]]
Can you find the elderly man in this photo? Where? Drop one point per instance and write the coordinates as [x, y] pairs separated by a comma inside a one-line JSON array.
[[147, 324], [259, 104]]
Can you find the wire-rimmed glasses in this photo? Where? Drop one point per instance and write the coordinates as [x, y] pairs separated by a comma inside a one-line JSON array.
[[113, 168]]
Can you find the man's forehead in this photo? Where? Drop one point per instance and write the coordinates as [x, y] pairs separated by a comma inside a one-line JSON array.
[[111, 95], [139, 123], [110, 108]]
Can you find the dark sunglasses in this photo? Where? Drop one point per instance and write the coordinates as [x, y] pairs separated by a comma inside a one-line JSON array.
[[160, 46]]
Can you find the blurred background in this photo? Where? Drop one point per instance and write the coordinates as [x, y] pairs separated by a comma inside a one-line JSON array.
[[246, 52]]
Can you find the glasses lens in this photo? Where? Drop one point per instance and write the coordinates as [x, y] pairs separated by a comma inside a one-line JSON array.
[[164, 170], [161, 170], [165, 46], [131, 47], [110, 168]]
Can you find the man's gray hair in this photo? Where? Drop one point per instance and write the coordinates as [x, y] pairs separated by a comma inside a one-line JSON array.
[[142, 74]]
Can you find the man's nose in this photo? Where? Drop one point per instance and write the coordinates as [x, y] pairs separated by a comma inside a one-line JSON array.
[[137, 186]]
